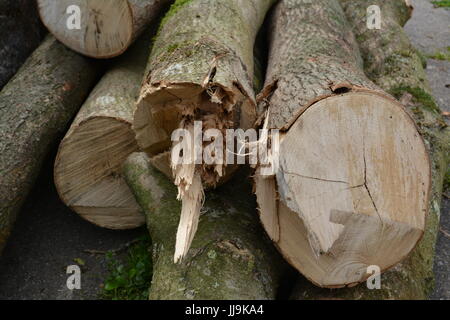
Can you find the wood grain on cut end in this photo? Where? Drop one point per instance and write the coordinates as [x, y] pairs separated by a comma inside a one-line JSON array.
[[106, 26], [353, 190], [88, 166], [88, 173], [266, 193]]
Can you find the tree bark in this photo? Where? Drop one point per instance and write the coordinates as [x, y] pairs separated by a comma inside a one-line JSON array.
[[20, 33], [107, 28], [88, 166], [35, 107], [230, 257], [393, 64], [201, 57], [350, 158], [200, 69]]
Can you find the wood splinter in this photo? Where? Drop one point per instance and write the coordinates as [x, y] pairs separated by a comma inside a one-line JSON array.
[[199, 72]]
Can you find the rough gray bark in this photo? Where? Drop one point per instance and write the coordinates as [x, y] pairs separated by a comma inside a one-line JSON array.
[[393, 63], [387, 50], [35, 108], [88, 165], [230, 257], [20, 33], [313, 55]]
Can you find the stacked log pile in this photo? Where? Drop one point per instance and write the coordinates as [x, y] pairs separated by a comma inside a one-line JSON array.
[[356, 148]]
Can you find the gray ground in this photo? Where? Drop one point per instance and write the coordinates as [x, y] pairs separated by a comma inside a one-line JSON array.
[[48, 236]]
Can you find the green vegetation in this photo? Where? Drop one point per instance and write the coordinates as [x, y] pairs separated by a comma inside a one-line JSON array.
[[130, 279], [426, 100], [441, 55], [174, 8], [441, 3]]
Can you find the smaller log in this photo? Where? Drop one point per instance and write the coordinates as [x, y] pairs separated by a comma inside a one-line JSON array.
[[88, 165], [106, 28], [393, 63], [21, 32], [354, 174], [230, 256], [35, 109]]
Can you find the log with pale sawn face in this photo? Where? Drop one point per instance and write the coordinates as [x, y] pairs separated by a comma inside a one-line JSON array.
[[353, 181], [395, 65]]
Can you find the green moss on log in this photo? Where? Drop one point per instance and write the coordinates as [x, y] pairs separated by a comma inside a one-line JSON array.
[[230, 257]]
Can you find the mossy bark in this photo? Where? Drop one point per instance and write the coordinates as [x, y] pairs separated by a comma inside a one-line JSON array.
[[393, 64], [20, 33], [35, 108], [386, 51], [202, 58], [230, 257]]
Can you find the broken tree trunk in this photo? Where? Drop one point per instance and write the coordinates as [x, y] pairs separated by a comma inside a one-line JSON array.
[[230, 256], [88, 166], [392, 62], [20, 33], [35, 108], [200, 69], [354, 174], [99, 28]]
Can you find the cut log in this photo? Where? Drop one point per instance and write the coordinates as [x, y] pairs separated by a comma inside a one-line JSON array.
[[88, 166], [392, 62], [201, 69], [230, 257], [99, 28], [354, 174], [20, 33], [35, 108]]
